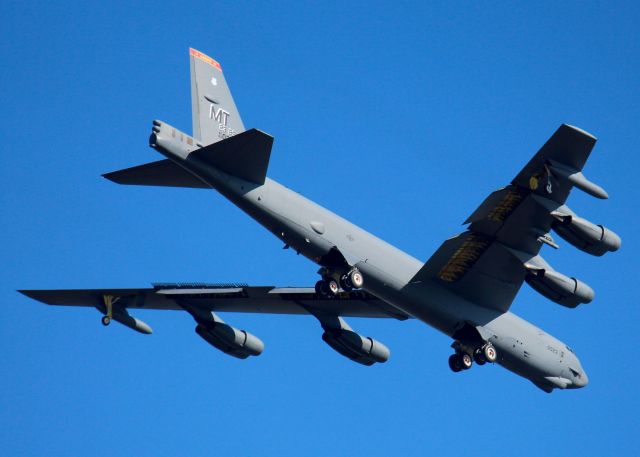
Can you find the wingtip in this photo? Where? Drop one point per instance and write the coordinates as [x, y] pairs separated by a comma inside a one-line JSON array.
[[110, 176], [581, 131], [33, 295]]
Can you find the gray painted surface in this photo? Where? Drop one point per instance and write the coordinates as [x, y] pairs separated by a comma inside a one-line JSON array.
[[464, 290]]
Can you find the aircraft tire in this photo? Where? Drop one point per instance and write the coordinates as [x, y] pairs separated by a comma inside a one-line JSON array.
[[454, 363], [478, 356], [106, 320], [345, 283], [319, 287], [465, 361], [332, 287], [490, 353], [356, 279]]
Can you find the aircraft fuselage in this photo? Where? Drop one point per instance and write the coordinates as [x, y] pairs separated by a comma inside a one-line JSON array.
[[314, 231]]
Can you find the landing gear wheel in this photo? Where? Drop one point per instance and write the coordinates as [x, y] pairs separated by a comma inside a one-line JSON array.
[[357, 281], [454, 363], [465, 361], [332, 286], [490, 353], [327, 287], [345, 283], [478, 356], [106, 320]]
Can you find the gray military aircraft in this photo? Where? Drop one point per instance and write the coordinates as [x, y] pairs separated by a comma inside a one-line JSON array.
[[464, 290]]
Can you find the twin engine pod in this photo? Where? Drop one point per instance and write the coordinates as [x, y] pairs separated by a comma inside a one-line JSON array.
[[565, 291], [586, 236], [241, 344], [360, 349], [230, 340]]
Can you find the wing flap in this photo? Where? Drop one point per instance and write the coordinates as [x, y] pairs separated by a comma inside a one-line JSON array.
[[477, 268]]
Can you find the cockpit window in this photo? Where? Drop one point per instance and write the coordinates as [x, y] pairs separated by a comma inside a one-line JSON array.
[[569, 349]]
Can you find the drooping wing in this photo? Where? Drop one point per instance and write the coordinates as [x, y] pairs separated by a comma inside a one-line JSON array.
[[485, 263], [227, 298]]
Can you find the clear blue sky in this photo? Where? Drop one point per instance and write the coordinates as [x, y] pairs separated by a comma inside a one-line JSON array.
[[399, 116]]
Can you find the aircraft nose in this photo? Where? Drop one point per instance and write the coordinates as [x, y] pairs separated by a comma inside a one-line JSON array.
[[583, 379], [580, 378]]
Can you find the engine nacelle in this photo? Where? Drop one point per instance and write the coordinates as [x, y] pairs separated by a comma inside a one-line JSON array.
[[569, 292], [230, 340], [364, 350], [587, 236]]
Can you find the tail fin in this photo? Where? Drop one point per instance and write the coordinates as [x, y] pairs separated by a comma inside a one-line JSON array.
[[215, 116]]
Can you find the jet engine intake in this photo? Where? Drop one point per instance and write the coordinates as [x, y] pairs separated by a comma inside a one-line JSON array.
[[587, 236], [230, 340], [358, 348], [566, 291]]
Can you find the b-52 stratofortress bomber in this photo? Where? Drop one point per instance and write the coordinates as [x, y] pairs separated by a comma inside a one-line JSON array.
[[464, 290]]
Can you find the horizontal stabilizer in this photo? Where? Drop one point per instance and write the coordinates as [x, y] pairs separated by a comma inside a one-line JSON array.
[[245, 155], [161, 173]]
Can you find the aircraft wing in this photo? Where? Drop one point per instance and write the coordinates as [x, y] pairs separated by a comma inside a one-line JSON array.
[[488, 263], [237, 298]]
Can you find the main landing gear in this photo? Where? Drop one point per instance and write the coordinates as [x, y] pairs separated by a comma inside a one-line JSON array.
[[463, 360], [331, 283]]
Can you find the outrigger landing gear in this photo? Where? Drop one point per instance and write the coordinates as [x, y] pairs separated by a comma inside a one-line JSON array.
[[332, 282], [463, 360], [109, 301]]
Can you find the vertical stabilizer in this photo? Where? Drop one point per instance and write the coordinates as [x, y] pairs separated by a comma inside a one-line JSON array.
[[215, 116]]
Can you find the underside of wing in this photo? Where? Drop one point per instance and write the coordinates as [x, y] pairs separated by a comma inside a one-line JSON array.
[[488, 263], [204, 301], [236, 298]]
